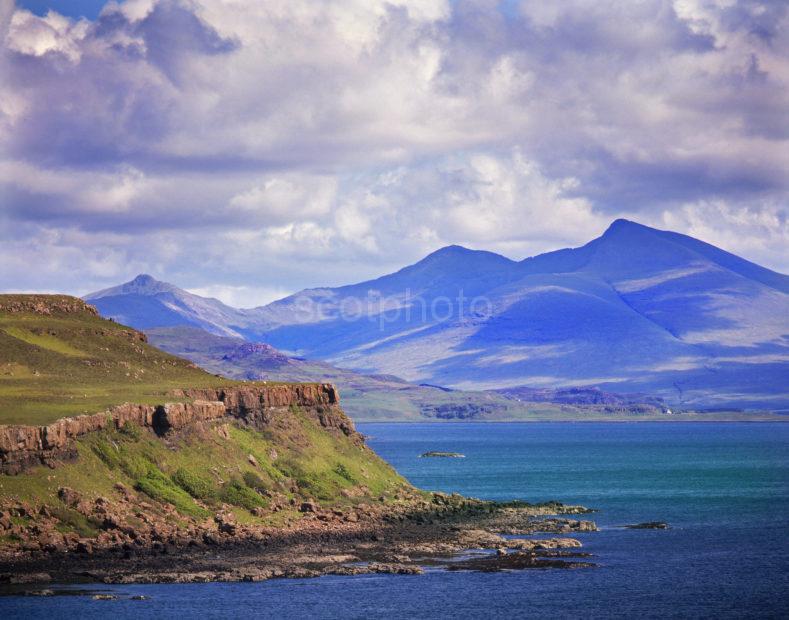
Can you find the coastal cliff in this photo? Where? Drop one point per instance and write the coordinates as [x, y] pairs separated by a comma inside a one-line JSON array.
[[25, 446], [136, 475], [107, 441]]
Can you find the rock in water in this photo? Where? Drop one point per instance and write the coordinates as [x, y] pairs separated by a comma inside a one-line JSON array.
[[439, 454]]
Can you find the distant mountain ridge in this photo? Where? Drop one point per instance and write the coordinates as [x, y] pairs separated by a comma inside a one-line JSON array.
[[634, 310], [385, 397]]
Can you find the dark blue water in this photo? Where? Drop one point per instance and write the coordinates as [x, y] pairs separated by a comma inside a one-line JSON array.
[[724, 488]]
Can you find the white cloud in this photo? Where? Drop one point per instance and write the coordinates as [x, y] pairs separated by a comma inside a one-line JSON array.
[[241, 296], [53, 33], [506, 200], [754, 230], [277, 145], [287, 198]]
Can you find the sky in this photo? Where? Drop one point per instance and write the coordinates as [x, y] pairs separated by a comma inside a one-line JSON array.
[[247, 150]]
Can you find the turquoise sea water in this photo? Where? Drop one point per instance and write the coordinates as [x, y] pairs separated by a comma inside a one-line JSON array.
[[724, 488]]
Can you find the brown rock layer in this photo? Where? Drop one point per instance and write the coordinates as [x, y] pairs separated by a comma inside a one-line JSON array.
[[22, 446], [285, 395], [45, 304]]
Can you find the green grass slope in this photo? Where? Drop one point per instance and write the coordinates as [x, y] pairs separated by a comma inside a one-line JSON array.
[[58, 358], [189, 479]]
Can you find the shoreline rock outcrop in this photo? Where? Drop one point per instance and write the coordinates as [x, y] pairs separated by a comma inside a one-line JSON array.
[[411, 532]]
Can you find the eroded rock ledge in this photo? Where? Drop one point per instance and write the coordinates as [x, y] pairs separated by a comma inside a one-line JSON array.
[[24, 446]]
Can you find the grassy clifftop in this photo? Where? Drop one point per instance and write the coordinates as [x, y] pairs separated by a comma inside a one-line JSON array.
[[59, 358]]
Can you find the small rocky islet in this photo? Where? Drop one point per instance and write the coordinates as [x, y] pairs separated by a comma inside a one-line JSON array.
[[442, 455], [648, 525]]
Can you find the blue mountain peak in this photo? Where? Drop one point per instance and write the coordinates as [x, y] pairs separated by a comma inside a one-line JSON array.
[[622, 226], [458, 253], [143, 280], [449, 250]]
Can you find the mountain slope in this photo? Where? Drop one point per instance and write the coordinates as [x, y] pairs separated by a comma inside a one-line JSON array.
[[637, 309], [145, 302], [385, 397]]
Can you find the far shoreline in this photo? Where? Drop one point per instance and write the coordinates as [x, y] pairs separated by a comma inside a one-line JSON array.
[[780, 419]]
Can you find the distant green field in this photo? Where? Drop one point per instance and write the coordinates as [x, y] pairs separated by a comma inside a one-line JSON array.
[[68, 363]]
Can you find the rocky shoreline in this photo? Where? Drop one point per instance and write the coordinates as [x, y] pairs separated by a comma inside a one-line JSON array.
[[421, 531]]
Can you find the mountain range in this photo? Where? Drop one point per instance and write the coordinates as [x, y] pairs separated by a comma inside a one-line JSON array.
[[634, 310]]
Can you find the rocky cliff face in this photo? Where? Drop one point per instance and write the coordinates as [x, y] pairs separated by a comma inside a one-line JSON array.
[[23, 446]]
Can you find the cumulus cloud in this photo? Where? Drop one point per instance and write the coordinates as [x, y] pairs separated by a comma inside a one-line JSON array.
[[245, 148], [279, 198], [242, 296]]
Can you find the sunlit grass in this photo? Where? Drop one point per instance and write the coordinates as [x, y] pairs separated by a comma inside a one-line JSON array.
[[65, 364]]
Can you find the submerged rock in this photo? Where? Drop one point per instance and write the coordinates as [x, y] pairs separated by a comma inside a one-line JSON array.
[[517, 560]]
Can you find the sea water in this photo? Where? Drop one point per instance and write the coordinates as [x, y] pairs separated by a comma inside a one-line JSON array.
[[722, 487]]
